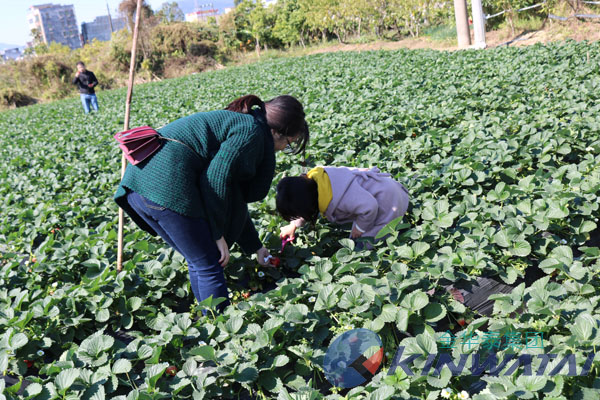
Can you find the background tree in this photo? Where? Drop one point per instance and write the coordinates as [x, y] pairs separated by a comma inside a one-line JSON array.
[[128, 8], [243, 25], [511, 7], [228, 32], [380, 18], [364, 12], [36, 35], [147, 22], [289, 24], [317, 15], [38, 45], [258, 24], [410, 14], [170, 12]]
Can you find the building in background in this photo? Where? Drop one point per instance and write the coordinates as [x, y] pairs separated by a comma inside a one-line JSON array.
[[188, 6], [11, 54], [101, 29], [201, 15], [55, 23]]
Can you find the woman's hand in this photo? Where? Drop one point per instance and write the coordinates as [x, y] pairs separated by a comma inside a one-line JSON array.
[[261, 254], [287, 231], [224, 250], [356, 233]]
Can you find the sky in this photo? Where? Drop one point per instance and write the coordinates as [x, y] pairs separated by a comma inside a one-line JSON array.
[[14, 28]]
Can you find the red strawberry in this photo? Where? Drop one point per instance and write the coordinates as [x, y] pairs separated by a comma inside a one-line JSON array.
[[462, 322], [275, 261], [246, 295], [29, 363], [172, 370]]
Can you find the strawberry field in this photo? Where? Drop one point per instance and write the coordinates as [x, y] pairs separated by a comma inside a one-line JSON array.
[[498, 148]]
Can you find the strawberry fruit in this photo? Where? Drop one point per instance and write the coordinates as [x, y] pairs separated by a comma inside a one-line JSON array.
[[275, 261]]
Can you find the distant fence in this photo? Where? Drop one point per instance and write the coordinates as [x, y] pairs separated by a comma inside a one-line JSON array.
[[552, 16]]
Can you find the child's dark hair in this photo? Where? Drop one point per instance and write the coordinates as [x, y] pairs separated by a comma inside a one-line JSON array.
[[297, 197]]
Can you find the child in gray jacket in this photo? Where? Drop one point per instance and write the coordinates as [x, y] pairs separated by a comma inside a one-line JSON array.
[[366, 197]]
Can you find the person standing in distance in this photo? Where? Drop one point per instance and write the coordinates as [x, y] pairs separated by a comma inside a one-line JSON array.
[[86, 82]]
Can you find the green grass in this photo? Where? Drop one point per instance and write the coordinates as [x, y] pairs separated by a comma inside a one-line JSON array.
[[442, 33]]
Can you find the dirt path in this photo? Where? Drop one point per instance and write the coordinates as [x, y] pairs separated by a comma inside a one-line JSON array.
[[409, 43], [553, 31]]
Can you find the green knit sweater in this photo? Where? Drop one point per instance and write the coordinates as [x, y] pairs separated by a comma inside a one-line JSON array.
[[233, 164]]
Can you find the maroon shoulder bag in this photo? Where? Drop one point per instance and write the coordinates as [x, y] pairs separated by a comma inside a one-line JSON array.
[[140, 143]]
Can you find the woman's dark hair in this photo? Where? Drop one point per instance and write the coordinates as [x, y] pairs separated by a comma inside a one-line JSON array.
[[285, 115], [80, 63], [245, 103], [297, 196]]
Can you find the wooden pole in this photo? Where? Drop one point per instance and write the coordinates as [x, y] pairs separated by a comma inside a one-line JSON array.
[[109, 18], [138, 12], [462, 23]]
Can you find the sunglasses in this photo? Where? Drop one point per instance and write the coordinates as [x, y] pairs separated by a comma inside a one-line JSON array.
[[294, 146], [289, 148]]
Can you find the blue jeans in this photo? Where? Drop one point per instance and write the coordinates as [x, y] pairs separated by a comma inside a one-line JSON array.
[[87, 99], [192, 238]]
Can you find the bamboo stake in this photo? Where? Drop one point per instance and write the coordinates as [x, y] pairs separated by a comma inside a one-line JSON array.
[[138, 12]]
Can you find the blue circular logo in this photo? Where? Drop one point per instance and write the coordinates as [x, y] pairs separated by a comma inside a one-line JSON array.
[[353, 358]]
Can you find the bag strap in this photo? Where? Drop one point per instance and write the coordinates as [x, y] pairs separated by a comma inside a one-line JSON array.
[[175, 140]]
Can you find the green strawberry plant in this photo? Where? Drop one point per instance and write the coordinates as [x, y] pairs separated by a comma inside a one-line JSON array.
[[498, 149]]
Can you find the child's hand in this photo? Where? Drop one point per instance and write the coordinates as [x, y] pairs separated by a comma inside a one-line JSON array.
[[355, 232], [288, 231]]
